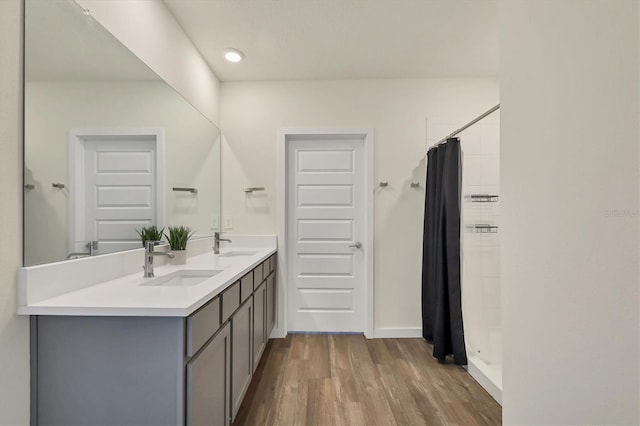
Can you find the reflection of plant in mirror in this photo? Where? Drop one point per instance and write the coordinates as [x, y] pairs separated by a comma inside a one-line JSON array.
[[178, 237], [150, 233]]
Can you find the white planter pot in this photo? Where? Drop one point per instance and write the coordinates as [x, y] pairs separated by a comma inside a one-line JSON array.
[[179, 257]]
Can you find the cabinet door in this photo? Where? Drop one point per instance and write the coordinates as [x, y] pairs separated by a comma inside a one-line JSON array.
[[208, 384], [259, 323], [241, 353], [271, 304]]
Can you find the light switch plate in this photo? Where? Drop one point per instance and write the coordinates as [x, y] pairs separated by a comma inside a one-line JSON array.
[[228, 222]]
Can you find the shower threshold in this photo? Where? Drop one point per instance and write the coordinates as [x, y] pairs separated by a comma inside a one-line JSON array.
[[488, 376]]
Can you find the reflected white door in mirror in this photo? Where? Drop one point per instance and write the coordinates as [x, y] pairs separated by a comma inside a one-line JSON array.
[[77, 75], [116, 187]]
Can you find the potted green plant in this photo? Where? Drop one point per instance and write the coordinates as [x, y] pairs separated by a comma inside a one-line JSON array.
[[150, 233], [177, 238]]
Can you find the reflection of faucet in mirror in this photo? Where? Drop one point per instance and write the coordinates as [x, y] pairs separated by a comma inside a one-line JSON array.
[[216, 242], [148, 257], [93, 250]]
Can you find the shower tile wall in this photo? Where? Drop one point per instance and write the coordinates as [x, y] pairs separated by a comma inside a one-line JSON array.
[[480, 251]]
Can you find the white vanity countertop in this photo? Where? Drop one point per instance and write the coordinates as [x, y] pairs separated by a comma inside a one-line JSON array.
[[126, 296]]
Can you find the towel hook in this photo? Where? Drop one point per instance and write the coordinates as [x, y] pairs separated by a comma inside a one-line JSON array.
[[253, 189], [415, 184]]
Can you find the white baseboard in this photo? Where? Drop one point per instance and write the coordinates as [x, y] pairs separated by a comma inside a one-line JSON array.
[[397, 333], [277, 333], [378, 333]]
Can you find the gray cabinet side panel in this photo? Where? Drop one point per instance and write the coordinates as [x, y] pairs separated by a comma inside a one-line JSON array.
[[110, 370]]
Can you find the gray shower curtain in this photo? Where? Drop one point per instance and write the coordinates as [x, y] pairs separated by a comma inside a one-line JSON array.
[[441, 289]]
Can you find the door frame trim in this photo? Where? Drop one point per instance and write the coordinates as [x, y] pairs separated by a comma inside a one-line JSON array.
[[284, 136], [77, 139]]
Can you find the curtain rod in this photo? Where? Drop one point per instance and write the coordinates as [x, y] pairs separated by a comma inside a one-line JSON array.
[[469, 124]]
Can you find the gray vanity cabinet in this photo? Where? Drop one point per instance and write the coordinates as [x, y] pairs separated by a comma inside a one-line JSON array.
[[208, 382], [191, 370], [241, 353], [259, 323]]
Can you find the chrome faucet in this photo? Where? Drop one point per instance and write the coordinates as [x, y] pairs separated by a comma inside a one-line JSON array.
[[149, 255], [93, 247], [93, 250], [216, 242]]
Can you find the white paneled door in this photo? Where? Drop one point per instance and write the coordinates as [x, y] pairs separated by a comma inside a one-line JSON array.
[[117, 191], [326, 232]]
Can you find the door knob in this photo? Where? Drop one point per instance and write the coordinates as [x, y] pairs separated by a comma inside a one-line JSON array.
[[357, 245]]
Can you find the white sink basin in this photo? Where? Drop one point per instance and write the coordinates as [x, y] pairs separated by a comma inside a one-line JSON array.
[[184, 278], [238, 253]]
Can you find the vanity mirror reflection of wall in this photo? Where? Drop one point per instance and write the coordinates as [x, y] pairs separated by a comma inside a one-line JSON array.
[[117, 137]]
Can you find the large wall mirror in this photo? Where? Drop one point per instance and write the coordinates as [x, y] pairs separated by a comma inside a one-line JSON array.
[[109, 146]]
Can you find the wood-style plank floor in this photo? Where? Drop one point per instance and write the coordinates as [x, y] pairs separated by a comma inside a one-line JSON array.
[[315, 379]]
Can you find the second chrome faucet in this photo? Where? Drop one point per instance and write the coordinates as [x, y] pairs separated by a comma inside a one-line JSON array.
[[216, 242]]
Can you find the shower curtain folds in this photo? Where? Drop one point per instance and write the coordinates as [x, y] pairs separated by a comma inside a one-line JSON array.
[[441, 275]]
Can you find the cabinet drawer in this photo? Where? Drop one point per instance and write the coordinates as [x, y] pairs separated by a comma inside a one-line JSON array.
[[246, 286], [257, 276], [266, 265], [230, 300], [201, 325]]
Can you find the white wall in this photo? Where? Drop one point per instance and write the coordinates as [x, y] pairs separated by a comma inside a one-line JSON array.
[[396, 109], [179, 65], [52, 109], [151, 32], [14, 331], [569, 161]]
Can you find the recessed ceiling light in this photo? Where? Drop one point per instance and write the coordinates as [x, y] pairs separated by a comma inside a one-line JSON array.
[[233, 55]]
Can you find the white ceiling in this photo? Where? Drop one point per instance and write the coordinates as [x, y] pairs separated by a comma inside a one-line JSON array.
[[344, 39], [64, 44]]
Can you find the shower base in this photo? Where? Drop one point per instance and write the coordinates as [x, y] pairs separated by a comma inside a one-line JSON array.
[[488, 376]]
